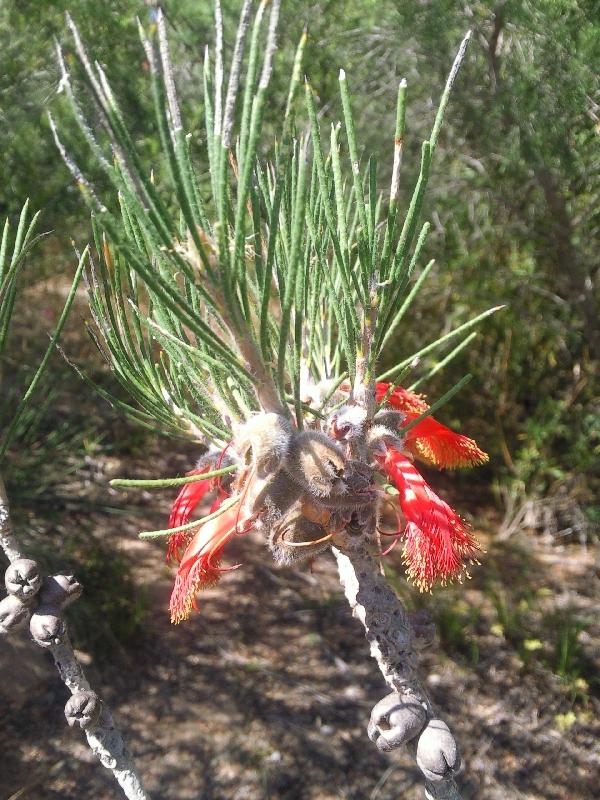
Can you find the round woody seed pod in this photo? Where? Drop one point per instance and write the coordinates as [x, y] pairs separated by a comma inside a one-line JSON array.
[[60, 590], [23, 579], [83, 709], [47, 626], [437, 752], [394, 721], [14, 614]]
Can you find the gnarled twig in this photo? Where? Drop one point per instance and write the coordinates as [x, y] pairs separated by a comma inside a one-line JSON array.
[[42, 603]]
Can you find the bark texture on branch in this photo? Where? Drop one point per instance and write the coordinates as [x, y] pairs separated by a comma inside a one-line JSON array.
[[7, 541], [407, 715], [42, 604]]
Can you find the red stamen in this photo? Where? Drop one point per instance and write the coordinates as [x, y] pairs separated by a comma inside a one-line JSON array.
[[183, 507], [429, 440], [436, 444]]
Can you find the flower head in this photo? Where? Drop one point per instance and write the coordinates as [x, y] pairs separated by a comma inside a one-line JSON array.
[[400, 398], [437, 542], [436, 444], [200, 565], [429, 440]]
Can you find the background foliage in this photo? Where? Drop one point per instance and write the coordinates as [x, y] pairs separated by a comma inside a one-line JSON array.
[[514, 197]]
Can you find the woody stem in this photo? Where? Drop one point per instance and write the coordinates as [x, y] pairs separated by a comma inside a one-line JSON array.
[[392, 642], [104, 738]]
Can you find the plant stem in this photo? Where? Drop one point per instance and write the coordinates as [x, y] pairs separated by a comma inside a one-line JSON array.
[[105, 739], [389, 633], [7, 539]]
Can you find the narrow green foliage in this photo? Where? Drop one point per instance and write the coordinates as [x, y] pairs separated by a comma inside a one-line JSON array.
[[438, 403], [289, 272], [439, 342], [167, 483], [225, 506], [9, 274], [444, 361]]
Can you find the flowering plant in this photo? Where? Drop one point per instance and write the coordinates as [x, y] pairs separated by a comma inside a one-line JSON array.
[[249, 312], [299, 497]]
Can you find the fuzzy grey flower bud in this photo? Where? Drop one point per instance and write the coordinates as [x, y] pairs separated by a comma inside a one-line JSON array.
[[13, 614], [47, 626], [60, 590], [394, 721], [83, 709], [23, 579], [437, 752]]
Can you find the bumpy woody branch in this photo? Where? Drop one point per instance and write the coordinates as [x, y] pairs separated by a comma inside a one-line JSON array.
[[41, 602], [406, 716]]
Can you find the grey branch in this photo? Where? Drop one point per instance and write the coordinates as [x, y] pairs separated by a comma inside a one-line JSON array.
[[7, 541], [234, 74], [406, 716], [42, 602]]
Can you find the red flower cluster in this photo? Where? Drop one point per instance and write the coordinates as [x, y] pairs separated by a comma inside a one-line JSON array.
[[200, 565], [429, 440], [182, 509], [437, 542]]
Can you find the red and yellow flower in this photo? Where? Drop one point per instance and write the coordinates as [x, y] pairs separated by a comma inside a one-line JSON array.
[[429, 440], [437, 542], [200, 565]]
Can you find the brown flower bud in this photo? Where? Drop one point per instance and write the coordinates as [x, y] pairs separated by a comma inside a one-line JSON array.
[[395, 721], [60, 590], [47, 626], [276, 495], [379, 438], [316, 463], [14, 614], [347, 423], [437, 752], [358, 476], [390, 418], [296, 537], [267, 437], [83, 709], [23, 579]]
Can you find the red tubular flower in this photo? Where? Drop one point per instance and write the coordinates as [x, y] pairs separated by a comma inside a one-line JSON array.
[[200, 564], [182, 509], [429, 440], [437, 542], [436, 444], [401, 399]]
